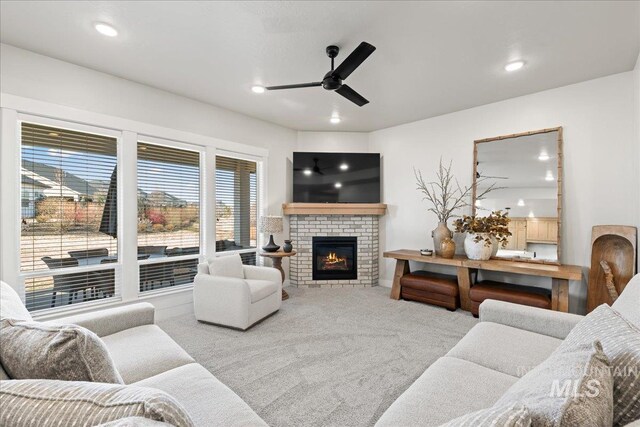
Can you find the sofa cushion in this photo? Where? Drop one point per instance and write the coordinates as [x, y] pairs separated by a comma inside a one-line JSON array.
[[573, 387], [207, 400], [11, 306], [45, 403], [503, 348], [227, 266], [628, 304], [504, 416], [143, 352], [66, 352], [448, 389], [621, 343], [260, 289]]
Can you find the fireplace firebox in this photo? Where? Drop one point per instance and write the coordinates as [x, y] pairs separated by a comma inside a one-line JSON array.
[[335, 258]]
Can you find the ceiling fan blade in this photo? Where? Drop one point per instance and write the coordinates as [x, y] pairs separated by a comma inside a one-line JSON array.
[[314, 84], [354, 60], [352, 95]]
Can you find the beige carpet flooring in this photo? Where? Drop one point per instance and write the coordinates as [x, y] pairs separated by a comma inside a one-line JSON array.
[[329, 357]]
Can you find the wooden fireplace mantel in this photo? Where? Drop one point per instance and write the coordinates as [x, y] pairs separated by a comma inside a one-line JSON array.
[[334, 208]]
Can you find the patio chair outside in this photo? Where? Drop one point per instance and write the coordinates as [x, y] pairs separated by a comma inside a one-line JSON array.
[[71, 283]]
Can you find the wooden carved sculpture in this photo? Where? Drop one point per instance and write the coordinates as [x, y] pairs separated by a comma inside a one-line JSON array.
[[613, 263], [608, 280]]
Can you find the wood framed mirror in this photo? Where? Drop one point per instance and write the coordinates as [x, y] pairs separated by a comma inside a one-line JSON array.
[[525, 170]]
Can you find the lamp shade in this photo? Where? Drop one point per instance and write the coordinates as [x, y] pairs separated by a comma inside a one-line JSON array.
[[271, 224]]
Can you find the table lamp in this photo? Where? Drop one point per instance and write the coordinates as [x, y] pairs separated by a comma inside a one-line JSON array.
[[271, 224]]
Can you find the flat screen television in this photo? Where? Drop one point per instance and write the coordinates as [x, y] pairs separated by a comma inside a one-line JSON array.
[[336, 177]]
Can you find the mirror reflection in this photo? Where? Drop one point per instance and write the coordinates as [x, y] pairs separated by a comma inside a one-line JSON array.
[[524, 169]]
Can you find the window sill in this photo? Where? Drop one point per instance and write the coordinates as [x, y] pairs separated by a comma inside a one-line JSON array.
[[56, 313], [51, 314], [165, 291]]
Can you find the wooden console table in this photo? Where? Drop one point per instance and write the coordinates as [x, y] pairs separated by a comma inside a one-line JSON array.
[[560, 274]]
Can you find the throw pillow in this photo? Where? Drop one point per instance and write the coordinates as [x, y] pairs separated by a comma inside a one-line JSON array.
[[573, 387], [11, 306], [64, 403], [227, 266], [64, 352], [621, 344], [515, 415]]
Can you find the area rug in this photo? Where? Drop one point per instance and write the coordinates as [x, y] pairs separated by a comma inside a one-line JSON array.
[[329, 357]]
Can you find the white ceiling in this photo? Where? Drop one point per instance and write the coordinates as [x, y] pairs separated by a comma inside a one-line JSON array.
[[432, 57]]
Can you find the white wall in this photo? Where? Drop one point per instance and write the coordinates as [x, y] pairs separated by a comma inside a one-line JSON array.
[[601, 178], [30, 75], [337, 142]]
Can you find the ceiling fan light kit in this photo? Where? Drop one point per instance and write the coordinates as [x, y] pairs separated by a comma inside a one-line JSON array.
[[333, 79]]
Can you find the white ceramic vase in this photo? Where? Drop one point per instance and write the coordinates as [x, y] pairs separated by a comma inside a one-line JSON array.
[[478, 251]]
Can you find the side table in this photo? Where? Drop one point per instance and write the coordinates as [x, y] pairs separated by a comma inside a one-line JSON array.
[[277, 264]]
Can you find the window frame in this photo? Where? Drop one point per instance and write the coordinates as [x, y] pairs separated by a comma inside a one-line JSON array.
[[260, 197], [23, 276], [14, 108], [201, 150]]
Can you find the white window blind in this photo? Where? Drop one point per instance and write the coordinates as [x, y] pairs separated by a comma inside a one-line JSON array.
[[168, 215], [68, 215], [236, 206]]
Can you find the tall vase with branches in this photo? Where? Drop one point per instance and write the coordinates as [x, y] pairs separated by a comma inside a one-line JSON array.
[[446, 197]]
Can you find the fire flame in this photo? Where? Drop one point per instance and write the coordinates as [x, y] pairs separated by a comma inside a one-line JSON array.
[[332, 258]]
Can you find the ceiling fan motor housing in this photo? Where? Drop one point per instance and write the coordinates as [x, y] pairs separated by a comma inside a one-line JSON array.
[[331, 82]]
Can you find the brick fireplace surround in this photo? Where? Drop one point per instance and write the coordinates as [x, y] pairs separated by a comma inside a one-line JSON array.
[[303, 227]]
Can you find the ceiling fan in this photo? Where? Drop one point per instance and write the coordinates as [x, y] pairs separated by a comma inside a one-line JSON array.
[[333, 79]]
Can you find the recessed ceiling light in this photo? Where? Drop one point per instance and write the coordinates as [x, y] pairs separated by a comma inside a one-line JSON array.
[[338, 185], [543, 157], [531, 215], [105, 29], [520, 202], [257, 89], [478, 203], [549, 176], [513, 66], [344, 167], [307, 172], [335, 120]]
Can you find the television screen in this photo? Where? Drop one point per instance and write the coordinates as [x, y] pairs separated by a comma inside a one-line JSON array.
[[336, 177]]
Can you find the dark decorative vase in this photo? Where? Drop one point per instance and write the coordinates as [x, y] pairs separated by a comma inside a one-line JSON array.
[[287, 247], [271, 246]]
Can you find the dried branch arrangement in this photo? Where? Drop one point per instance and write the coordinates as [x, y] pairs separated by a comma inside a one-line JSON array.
[[445, 194]]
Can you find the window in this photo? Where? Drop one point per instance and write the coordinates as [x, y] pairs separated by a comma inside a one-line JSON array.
[[168, 215], [236, 207], [68, 238]]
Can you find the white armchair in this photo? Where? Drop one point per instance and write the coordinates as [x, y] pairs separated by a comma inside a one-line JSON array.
[[235, 302]]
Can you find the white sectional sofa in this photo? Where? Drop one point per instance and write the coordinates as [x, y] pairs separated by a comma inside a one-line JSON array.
[[145, 355], [509, 340]]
